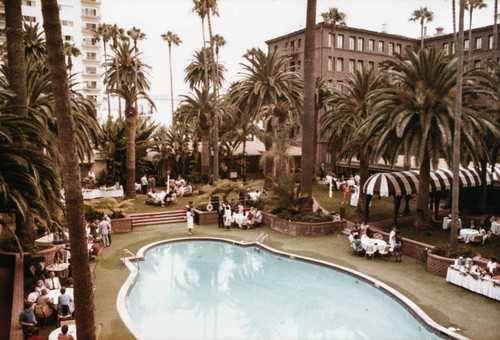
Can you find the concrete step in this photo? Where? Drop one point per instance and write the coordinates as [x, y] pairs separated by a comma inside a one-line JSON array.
[[165, 217], [148, 222]]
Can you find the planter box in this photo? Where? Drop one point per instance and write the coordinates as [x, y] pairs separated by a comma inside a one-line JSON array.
[[205, 217], [121, 225], [415, 249], [303, 228], [438, 265]]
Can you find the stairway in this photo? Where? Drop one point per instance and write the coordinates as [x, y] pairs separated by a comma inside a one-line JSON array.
[[165, 217]]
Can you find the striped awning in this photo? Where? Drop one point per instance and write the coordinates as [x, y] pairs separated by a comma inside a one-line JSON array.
[[401, 183]]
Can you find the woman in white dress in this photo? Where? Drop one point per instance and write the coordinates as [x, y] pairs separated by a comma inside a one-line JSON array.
[[227, 217], [190, 221]]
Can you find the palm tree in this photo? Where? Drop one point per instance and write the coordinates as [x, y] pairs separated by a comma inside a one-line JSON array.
[[196, 71], [350, 108], [196, 110], [470, 6], [70, 51], [422, 15], [130, 94], [116, 33], [322, 94], [136, 35], [308, 128], [335, 19], [171, 38], [264, 84], [84, 307], [103, 32]]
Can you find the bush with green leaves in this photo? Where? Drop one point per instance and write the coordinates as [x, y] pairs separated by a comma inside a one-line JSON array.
[[95, 209], [444, 251]]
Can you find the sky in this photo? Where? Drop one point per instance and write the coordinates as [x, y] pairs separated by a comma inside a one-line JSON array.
[[245, 24]]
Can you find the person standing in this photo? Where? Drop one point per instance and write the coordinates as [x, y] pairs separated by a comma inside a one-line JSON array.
[[321, 171], [151, 183], [104, 228], [392, 236], [144, 184], [190, 221], [220, 215], [346, 188], [27, 319], [227, 217]]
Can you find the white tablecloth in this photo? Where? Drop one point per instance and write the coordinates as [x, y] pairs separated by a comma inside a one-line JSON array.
[[379, 244], [57, 267], [484, 286], [468, 234], [254, 195], [354, 199], [239, 219], [447, 221], [98, 193], [54, 294], [47, 240], [55, 333], [495, 228]]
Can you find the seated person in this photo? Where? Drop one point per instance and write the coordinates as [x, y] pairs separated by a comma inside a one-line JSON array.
[[357, 242], [59, 257], [52, 282], [472, 224], [377, 236], [40, 286], [35, 335], [94, 250], [27, 319], [65, 302], [250, 218], [46, 303], [33, 295], [40, 269], [351, 236], [64, 334], [241, 209], [369, 232], [491, 266]]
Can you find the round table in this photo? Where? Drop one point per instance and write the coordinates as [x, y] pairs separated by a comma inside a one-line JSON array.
[[54, 294], [55, 333], [468, 234], [378, 244], [495, 228]]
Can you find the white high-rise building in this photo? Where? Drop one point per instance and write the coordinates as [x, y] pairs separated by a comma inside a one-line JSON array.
[[78, 20]]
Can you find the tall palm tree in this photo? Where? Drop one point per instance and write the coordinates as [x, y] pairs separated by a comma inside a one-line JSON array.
[[196, 71], [322, 94], [471, 5], [307, 159], [335, 19], [422, 15], [171, 38], [130, 94], [84, 307], [70, 51], [200, 9], [196, 109], [103, 32], [136, 35], [116, 33]]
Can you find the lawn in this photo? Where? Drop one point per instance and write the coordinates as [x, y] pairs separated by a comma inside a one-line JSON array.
[[141, 207]]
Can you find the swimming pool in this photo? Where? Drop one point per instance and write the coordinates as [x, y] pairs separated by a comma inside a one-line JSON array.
[[208, 288]]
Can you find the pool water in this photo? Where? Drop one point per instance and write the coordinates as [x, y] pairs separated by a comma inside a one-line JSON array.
[[216, 290]]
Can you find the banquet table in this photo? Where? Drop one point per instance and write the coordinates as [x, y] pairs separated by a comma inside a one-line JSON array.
[[55, 333], [447, 221], [481, 285], [239, 219], [89, 194], [379, 244], [495, 228], [254, 195], [468, 234], [47, 240], [54, 294]]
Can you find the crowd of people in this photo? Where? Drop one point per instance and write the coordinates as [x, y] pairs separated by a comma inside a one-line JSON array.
[[363, 230], [231, 214]]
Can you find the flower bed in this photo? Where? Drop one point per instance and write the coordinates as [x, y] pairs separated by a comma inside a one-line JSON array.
[[303, 228]]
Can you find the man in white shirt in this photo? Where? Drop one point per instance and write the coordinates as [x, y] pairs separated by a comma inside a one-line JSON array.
[[52, 282], [492, 266], [144, 184], [104, 229]]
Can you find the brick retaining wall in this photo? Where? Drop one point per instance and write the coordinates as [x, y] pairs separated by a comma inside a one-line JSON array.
[[302, 228], [121, 225], [205, 217]]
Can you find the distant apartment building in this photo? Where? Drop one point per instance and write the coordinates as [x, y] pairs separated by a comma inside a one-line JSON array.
[[348, 48], [78, 19]]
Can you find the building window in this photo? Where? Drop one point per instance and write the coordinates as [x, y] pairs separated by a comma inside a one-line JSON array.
[[90, 26], [299, 43], [352, 65], [360, 64], [371, 45], [361, 42], [391, 48], [2, 16], [330, 63], [91, 97], [328, 158], [479, 43], [339, 85], [2, 32], [490, 42], [330, 40], [477, 63], [93, 42], [381, 46], [371, 65], [298, 65], [446, 48], [452, 48], [91, 56], [91, 84], [68, 38], [398, 48], [340, 41], [67, 23], [91, 70], [28, 18], [498, 60], [292, 66], [276, 48], [286, 45], [91, 12], [340, 64], [29, 3], [466, 44], [352, 43]]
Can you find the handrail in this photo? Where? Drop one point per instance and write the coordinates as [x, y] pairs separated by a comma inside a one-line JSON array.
[[260, 239], [125, 252]]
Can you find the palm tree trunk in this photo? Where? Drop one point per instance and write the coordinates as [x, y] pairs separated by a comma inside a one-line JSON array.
[[205, 154], [455, 193], [364, 174], [171, 79], [422, 33], [84, 306], [495, 30], [130, 122], [470, 35], [422, 217], [107, 81], [454, 23], [118, 83], [205, 67], [215, 117], [268, 163], [315, 145], [306, 204], [244, 169], [135, 75], [25, 229]]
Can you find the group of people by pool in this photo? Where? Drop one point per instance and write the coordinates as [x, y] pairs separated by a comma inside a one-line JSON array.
[[361, 231]]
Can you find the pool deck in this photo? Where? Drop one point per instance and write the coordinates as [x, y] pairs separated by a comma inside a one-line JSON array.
[[476, 316]]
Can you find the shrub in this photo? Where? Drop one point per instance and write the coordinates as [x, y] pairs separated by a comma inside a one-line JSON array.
[[95, 209], [444, 251], [295, 216]]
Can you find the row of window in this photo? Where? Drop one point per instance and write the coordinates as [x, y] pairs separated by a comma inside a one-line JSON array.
[[358, 44], [293, 45], [338, 64], [478, 44]]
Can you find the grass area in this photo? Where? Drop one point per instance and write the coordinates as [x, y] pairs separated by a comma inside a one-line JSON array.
[[141, 207], [449, 305], [380, 209]]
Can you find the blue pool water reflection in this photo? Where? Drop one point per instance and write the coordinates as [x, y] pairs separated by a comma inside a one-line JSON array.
[[216, 290]]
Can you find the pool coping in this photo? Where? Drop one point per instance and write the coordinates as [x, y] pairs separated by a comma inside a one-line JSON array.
[[417, 312]]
